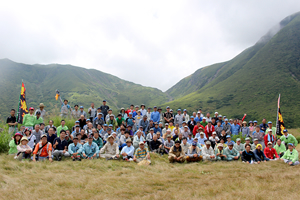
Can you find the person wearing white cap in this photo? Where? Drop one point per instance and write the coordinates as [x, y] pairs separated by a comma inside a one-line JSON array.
[[208, 152], [291, 156], [186, 116], [214, 139], [141, 153], [216, 116], [269, 138], [128, 151], [219, 152]]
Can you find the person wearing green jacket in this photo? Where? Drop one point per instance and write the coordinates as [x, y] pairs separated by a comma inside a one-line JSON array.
[[291, 155], [280, 148], [29, 119], [240, 147], [38, 119], [288, 138], [231, 153], [112, 121], [98, 140], [14, 143], [61, 127]]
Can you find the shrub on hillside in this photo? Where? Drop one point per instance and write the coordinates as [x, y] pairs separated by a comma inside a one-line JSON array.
[[5, 137]]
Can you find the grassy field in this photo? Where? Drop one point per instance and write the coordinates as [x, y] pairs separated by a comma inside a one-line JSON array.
[[101, 179]]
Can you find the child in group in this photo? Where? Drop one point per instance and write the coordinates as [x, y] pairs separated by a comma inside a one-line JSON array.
[[24, 150], [31, 138], [14, 143]]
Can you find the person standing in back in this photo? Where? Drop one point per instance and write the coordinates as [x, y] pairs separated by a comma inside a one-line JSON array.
[[155, 115], [12, 122], [29, 119], [92, 111], [104, 108]]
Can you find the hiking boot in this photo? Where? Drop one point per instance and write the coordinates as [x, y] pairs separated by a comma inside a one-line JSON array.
[[79, 159], [73, 159]]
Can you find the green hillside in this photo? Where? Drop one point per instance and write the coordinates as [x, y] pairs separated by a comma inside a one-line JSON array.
[[78, 85], [250, 82]]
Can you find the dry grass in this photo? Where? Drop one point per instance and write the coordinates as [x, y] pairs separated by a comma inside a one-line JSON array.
[[101, 179]]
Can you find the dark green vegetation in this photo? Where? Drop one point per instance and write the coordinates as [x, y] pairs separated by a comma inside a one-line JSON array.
[[78, 85], [249, 83]]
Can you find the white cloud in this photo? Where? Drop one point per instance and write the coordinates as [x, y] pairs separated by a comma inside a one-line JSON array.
[[154, 43]]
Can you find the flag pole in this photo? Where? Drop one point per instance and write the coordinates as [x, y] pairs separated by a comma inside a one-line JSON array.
[[277, 128], [18, 108]]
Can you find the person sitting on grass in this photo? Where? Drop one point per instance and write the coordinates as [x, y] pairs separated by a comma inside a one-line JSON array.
[[248, 155], [60, 146], [90, 150], [185, 146], [214, 139], [31, 138], [208, 152], [239, 146], [128, 151], [270, 152], [288, 138], [291, 155], [24, 150], [124, 138], [141, 153], [110, 150], [219, 152], [42, 150], [231, 152], [14, 143], [168, 144], [156, 145], [176, 153], [280, 148], [98, 140], [259, 154], [194, 153], [255, 143], [83, 137], [75, 149]]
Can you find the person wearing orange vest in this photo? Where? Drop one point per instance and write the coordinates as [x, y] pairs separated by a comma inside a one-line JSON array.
[[42, 150]]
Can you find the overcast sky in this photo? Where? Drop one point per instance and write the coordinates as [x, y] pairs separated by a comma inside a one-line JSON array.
[[153, 43]]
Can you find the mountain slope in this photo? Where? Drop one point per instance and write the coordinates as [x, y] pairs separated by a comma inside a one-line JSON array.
[[250, 82], [78, 85]]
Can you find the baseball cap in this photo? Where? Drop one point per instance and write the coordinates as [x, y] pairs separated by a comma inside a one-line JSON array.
[[220, 145], [220, 116], [226, 120], [81, 107], [238, 139], [290, 144], [31, 108], [201, 133], [91, 136], [178, 110], [247, 138], [269, 122], [270, 130], [270, 143], [105, 125], [110, 125], [194, 144], [227, 136], [141, 143], [130, 113], [177, 141], [38, 113], [76, 121], [285, 130], [184, 110], [167, 107], [216, 113], [192, 117], [104, 100], [255, 139], [44, 135], [230, 144], [128, 140], [155, 107], [166, 124], [208, 142], [254, 121], [214, 133]]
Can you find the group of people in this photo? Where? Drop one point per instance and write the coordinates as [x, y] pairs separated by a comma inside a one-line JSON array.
[[137, 132]]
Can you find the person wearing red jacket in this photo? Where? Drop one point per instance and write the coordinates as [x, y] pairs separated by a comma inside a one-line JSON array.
[[209, 129], [269, 138], [195, 130], [270, 152]]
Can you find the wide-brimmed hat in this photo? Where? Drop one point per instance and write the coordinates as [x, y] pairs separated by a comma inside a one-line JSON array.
[[41, 105]]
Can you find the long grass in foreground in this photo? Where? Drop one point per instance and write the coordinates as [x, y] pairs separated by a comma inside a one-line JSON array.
[[101, 179]]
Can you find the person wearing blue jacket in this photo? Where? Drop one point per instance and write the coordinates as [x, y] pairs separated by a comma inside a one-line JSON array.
[[90, 150], [235, 128], [155, 115], [259, 154], [144, 123], [75, 149], [157, 129]]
